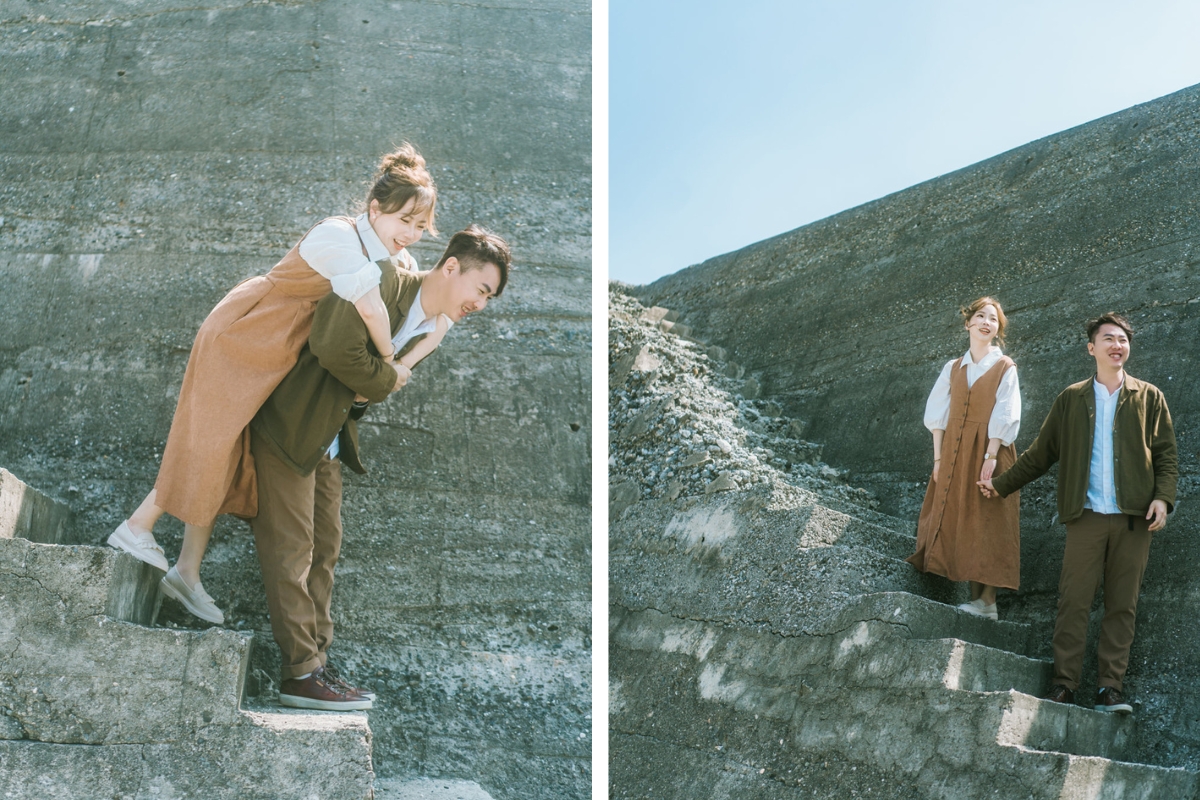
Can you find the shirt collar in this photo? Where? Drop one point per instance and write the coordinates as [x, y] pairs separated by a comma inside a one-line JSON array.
[[417, 312], [993, 355], [375, 248], [1102, 390]]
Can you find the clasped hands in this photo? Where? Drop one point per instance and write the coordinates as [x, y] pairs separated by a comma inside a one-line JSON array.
[[403, 373]]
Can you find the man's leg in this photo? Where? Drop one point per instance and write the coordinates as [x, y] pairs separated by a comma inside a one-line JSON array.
[[1128, 551], [1083, 564], [327, 544], [283, 535]]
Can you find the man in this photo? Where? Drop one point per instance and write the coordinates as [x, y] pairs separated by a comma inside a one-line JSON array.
[[1113, 439], [307, 429]]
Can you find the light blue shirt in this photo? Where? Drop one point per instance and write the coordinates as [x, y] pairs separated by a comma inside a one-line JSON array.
[[1102, 486]]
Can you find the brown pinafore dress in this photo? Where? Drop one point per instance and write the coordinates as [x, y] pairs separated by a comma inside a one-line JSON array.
[[244, 348], [961, 534]]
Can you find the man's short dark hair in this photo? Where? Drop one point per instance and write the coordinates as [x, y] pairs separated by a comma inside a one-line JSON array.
[[1111, 318], [476, 247]]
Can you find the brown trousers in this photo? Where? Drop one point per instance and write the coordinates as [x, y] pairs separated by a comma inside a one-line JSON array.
[[1099, 545], [298, 534]]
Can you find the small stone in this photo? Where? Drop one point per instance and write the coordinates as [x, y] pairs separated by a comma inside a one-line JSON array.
[[725, 446], [722, 483]]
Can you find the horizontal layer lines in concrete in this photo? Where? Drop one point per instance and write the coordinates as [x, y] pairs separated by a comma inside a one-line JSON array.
[[940, 712], [94, 704]]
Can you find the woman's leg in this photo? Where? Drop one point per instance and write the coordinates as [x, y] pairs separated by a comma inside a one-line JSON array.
[[981, 591], [195, 543], [143, 518]]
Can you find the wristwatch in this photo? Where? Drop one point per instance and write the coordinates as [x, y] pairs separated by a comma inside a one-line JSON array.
[[987, 456]]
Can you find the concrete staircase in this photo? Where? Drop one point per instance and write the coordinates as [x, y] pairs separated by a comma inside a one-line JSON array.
[[94, 703], [773, 644]]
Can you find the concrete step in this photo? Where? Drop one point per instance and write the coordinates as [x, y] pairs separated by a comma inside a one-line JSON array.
[[869, 654], [921, 618], [261, 756], [772, 554], [26, 513], [50, 585], [745, 698], [103, 681]]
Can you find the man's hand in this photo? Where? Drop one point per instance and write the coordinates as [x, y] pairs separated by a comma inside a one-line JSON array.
[[986, 487], [402, 375], [1157, 515]]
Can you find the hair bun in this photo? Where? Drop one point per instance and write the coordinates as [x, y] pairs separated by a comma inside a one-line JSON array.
[[403, 157]]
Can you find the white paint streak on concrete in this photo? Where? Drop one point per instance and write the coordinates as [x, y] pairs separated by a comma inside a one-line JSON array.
[[860, 638], [616, 703], [691, 640], [1017, 721], [711, 687], [89, 263], [952, 677], [707, 528], [1085, 780]]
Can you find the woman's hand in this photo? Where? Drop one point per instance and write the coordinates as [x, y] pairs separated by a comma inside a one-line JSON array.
[[935, 469], [402, 375], [989, 467]]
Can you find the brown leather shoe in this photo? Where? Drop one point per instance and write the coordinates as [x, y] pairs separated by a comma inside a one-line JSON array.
[[1109, 699], [320, 692], [332, 675], [1060, 694]]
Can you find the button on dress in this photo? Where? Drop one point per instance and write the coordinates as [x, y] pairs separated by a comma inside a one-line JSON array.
[[961, 534]]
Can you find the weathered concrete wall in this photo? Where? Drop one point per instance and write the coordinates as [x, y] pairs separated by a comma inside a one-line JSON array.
[[153, 154], [846, 322]]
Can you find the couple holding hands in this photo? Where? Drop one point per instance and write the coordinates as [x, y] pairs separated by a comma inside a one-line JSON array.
[[1113, 440], [279, 373]]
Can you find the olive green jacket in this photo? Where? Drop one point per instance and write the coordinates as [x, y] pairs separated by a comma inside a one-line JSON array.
[[1145, 460], [315, 401]]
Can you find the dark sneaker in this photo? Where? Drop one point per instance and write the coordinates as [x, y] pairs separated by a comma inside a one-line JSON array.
[[1109, 699], [319, 692], [1060, 694], [333, 676]]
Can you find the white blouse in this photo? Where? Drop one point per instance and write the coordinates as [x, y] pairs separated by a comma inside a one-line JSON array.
[[1005, 421], [332, 249]]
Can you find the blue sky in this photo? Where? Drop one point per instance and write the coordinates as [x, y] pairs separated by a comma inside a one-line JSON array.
[[733, 122]]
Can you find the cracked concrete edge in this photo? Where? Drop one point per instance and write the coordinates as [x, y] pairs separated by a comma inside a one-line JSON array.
[[29, 514], [87, 580]]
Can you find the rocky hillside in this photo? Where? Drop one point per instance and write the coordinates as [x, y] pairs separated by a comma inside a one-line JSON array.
[[768, 640]]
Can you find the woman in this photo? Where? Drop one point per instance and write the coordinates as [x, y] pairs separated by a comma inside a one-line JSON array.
[[245, 347], [974, 413]]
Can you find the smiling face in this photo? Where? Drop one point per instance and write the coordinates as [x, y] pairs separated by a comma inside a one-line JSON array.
[[401, 228], [983, 325], [1110, 347], [467, 290]]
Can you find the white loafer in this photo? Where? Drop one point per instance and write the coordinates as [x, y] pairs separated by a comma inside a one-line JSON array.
[[139, 545], [194, 599], [977, 608]]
